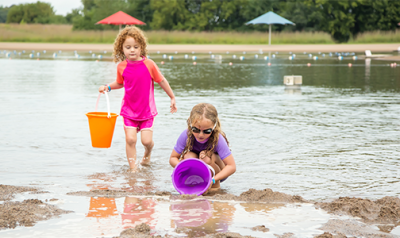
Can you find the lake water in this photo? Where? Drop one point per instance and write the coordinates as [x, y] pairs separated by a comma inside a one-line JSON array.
[[338, 135]]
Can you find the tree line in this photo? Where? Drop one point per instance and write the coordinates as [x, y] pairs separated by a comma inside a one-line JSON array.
[[342, 19]]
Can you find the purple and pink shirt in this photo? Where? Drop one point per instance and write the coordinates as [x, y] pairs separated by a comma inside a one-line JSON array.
[[222, 148], [138, 78]]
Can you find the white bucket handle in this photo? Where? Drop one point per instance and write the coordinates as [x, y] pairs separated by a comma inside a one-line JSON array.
[[108, 103], [212, 169]]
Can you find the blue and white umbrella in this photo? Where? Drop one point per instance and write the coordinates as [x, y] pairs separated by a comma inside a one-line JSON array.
[[270, 18]]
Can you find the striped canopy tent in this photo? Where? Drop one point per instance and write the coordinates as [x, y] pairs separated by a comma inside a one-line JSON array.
[[120, 18], [270, 18]]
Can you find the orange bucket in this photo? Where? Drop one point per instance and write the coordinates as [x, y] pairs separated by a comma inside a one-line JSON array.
[[101, 125]]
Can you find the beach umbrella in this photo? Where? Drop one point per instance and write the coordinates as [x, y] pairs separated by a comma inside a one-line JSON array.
[[270, 18], [120, 18]]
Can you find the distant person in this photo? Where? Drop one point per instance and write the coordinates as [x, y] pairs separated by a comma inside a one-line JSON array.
[[205, 140], [137, 74]]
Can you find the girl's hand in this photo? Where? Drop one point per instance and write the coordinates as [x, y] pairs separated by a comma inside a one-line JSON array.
[[204, 157], [102, 89], [173, 108]]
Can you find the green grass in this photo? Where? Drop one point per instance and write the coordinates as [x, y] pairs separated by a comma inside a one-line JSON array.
[[65, 34]]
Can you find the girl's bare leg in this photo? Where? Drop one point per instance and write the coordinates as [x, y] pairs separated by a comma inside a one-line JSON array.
[[190, 154], [131, 138], [212, 162], [148, 143]]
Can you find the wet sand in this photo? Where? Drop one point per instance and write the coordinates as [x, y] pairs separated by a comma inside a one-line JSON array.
[[26, 213], [152, 48], [383, 213]]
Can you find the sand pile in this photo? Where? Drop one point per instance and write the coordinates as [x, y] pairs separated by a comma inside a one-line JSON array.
[[26, 213], [385, 210]]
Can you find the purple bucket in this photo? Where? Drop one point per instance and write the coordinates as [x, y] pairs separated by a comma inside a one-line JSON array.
[[191, 176]]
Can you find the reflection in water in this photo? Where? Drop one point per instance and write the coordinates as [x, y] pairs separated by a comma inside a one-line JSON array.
[[202, 217], [102, 207], [294, 91], [261, 207], [137, 211]]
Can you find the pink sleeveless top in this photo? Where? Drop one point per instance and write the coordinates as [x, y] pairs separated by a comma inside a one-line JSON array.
[[138, 78]]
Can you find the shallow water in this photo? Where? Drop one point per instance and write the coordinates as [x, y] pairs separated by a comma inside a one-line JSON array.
[[336, 136]]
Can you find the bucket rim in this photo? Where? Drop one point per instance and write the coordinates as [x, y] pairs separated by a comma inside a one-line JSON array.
[[101, 114], [190, 159]]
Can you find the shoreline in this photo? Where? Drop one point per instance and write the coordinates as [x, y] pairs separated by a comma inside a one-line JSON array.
[[180, 48]]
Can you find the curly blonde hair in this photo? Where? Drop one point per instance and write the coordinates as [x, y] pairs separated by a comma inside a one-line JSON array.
[[199, 112], [135, 33]]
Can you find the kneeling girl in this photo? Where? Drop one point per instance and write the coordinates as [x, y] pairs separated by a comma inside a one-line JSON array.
[[205, 140]]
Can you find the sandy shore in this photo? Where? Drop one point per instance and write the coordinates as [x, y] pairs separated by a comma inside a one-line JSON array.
[[206, 48]]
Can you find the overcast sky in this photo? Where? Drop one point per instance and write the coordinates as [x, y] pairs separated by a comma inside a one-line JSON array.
[[61, 7]]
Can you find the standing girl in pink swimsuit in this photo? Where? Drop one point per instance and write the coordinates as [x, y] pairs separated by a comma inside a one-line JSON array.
[[137, 74]]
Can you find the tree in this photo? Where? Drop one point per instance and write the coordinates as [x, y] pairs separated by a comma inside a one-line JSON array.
[[38, 12], [3, 14]]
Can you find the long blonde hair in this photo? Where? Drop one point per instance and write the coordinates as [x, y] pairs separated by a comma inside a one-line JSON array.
[[135, 33], [199, 112]]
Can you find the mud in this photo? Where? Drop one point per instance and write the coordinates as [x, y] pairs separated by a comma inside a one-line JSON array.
[[260, 228], [265, 195], [7, 192], [110, 193], [26, 213], [351, 228], [382, 211], [143, 231]]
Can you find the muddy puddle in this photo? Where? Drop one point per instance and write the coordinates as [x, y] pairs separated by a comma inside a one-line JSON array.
[[253, 213]]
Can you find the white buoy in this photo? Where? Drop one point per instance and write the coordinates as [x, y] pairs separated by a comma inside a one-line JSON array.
[[8, 54], [355, 57], [38, 54], [294, 56], [212, 56], [164, 56], [77, 56], [266, 57], [31, 55], [256, 56], [315, 58], [186, 56], [233, 56], [340, 57], [273, 55], [194, 58], [290, 57], [241, 57], [55, 55], [99, 56], [170, 57]]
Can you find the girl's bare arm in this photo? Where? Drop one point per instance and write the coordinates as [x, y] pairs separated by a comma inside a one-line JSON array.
[[228, 170], [165, 86], [113, 85], [174, 159]]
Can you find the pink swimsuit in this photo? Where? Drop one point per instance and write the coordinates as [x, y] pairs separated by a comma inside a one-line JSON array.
[[138, 78]]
